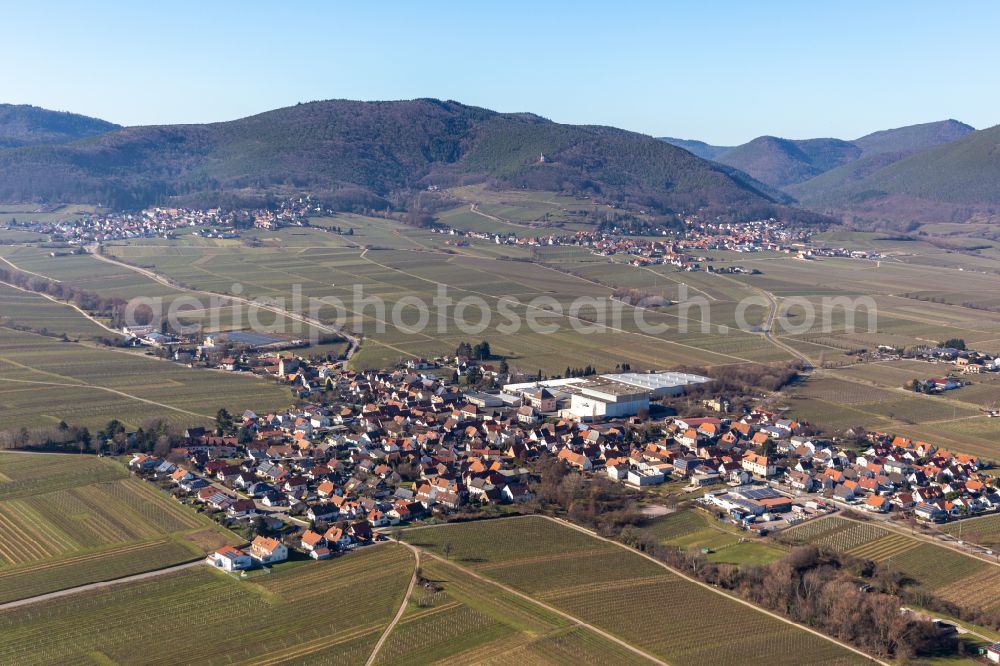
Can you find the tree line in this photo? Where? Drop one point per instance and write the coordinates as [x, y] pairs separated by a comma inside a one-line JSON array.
[[89, 301], [820, 589], [479, 352], [153, 435]]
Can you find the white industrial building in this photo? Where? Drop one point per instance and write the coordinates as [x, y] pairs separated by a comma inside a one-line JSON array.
[[610, 396], [658, 384], [605, 398]]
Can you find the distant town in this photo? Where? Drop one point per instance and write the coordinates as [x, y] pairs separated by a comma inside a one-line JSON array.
[[686, 249]]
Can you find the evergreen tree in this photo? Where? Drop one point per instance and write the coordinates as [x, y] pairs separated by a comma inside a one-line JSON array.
[[223, 422]]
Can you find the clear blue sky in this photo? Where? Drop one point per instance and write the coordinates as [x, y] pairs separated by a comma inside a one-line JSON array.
[[724, 72]]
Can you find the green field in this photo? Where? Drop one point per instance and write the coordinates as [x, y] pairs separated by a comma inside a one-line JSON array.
[[694, 528], [44, 380], [68, 520], [328, 612], [394, 263], [35, 213], [619, 591], [872, 395], [471, 621]]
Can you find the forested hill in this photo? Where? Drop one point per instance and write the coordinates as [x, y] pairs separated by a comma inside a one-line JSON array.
[[374, 154], [912, 138], [23, 125], [964, 173], [810, 168], [782, 162]]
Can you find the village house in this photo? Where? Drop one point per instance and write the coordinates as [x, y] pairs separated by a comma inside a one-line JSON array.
[[759, 465], [230, 559], [268, 551]]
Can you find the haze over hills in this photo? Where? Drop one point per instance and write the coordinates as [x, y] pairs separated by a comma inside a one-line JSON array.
[[913, 137], [949, 182], [374, 154], [930, 171], [783, 163], [24, 125], [700, 148]]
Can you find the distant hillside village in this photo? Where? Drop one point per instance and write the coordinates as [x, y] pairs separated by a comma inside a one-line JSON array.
[[683, 247], [166, 222], [684, 250]]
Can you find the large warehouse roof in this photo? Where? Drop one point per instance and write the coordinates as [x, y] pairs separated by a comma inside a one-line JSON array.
[[657, 380]]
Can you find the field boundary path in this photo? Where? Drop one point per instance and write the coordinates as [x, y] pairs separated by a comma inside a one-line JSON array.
[[552, 609], [718, 591], [109, 390], [402, 608], [99, 584], [354, 342], [680, 574], [767, 328], [474, 208], [962, 629], [76, 307], [24, 270]]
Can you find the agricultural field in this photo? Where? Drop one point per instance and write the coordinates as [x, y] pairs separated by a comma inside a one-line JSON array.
[[35, 213], [68, 520], [614, 589], [20, 236], [462, 217], [837, 533], [394, 262], [44, 380], [934, 567], [984, 531], [326, 274], [833, 401], [397, 264], [31, 310], [531, 209], [472, 621], [872, 395], [110, 280], [695, 528], [947, 573], [290, 616], [976, 435]]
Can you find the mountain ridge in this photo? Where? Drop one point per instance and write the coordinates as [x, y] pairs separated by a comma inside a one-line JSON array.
[[26, 125], [912, 138], [373, 154], [786, 163], [956, 179]]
